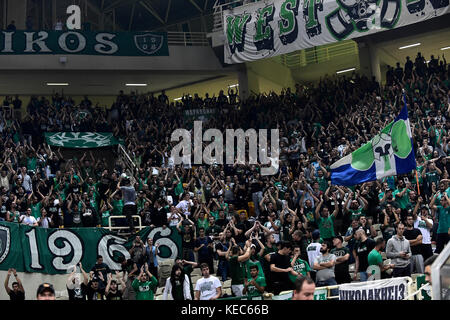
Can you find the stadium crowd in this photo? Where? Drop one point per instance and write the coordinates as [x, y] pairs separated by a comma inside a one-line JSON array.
[[263, 232]]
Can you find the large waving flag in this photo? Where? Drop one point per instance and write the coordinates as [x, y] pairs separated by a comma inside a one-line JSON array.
[[389, 153]]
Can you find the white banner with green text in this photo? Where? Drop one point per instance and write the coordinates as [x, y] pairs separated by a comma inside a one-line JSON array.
[[272, 27]]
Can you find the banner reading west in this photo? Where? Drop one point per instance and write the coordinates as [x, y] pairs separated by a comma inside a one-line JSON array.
[[269, 28]]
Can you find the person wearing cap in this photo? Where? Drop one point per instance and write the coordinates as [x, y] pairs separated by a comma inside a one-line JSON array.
[[45, 292], [313, 250], [342, 254], [17, 293], [112, 291], [93, 289]]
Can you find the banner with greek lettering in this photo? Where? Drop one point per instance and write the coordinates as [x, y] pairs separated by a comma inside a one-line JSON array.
[[84, 43], [269, 28], [388, 289], [55, 251], [80, 140]]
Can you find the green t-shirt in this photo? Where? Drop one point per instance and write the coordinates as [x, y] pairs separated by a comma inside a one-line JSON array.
[[374, 258], [300, 266], [117, 207], [257, 263], [202, 223], [326, 226], [323, 183], [432, 176], [236, 271], [251, 289], [443, 215], [36, 210], [144, 290], [355, 213], [31, 163], [402, 201], [105, 218]]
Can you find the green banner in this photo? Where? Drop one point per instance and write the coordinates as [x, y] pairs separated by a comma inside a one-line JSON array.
[[55, 251], [80, 140], [84, 43]]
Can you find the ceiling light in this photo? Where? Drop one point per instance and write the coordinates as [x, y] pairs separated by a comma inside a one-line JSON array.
[[176, 99], [410, 46], [136, 84], [445, 48], [346, 70], [234, 85], [57, 84]]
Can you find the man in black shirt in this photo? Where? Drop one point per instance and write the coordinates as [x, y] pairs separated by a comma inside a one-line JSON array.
[[342, 256], [361, 251], [102, 268], [280, 267], [92, 290], [17, 292], [414, 236], [158, 215], [74, 288]]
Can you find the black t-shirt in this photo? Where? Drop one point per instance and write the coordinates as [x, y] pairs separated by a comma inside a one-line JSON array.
[[412, 235], [187, 239], [222, 247], [103, 268], [362, 251], [282, 262], [98, 294], [77, 294], [114, 296], [342, 267], [19, 296]]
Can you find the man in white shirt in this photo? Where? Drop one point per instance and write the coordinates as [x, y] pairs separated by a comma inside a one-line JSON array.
[[28, 219], [424, 223], [208, 287], [313, 251], [26, 180], [184, 205]]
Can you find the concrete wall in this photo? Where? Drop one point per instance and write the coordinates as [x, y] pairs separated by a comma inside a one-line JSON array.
[[31, 282], [267, 75], [181, 58]]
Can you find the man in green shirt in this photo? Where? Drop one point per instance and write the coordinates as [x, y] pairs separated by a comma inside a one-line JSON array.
[[401, 194], [144, 284], [442, 213], [255, 285], [375, 259], [325, 220], [301, 267], [236, 259]]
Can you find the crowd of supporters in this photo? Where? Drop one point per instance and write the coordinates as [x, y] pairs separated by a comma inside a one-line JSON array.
[[289, 224]]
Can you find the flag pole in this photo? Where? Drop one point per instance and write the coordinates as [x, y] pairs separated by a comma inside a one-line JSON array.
[[417, 181]]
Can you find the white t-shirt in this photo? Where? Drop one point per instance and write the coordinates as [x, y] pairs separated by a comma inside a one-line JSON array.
[[422, 226], [29, 221], [207, 287], [313, 250], [269, 226], [184, 206], [174, 220], [45, 222]]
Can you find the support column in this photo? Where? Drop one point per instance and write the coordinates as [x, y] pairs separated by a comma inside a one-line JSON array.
[[17, 11], [369, 60], [244, 91]]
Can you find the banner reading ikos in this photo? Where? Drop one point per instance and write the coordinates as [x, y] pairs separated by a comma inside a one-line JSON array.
[[84, 43], [55, 251], [269, 28]]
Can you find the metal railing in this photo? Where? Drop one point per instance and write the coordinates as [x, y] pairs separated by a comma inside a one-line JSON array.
[[110, 227], [218, 9], [126, 159], [319, 54], [187, 39]]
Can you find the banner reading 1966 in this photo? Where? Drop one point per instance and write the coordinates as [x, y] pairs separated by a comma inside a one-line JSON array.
[[272, 27], [84, 43], [55, 251]]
